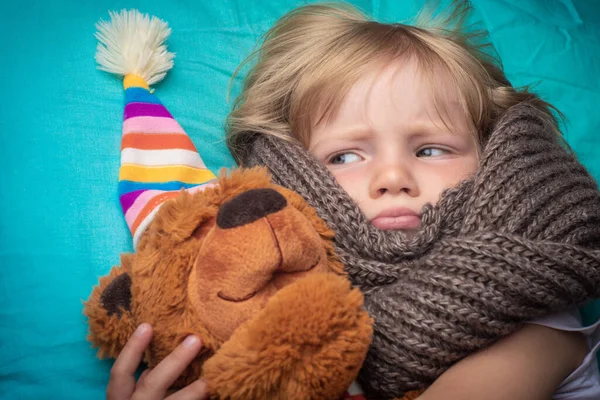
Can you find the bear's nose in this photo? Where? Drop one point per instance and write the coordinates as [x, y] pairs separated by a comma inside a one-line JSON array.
[[249, 207]]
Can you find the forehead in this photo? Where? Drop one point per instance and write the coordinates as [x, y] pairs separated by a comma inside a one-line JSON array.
[[401, 86]]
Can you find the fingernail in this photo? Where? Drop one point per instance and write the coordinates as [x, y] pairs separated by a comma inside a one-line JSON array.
[[190, 341], [141, 329]]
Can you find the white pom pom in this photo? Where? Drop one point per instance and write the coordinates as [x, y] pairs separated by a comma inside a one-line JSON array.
[[133, 43]]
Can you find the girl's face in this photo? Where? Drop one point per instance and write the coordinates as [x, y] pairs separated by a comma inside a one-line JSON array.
[[390, 150]]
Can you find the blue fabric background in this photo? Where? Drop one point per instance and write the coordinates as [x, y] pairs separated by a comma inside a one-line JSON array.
[[60, 223]]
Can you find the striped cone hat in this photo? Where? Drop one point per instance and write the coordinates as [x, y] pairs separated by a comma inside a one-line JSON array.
[[158, 159]]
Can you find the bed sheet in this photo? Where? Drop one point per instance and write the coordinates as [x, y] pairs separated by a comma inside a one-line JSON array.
[[60, 222]]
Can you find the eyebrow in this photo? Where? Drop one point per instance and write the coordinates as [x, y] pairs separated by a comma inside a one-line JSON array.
[[356, 133], [420, 128], [352, 134], [429, 127]]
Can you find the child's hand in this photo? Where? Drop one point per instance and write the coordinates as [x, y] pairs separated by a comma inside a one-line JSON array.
[[153, 383]]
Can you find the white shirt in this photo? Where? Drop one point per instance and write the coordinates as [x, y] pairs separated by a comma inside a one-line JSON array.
[[584, 382]]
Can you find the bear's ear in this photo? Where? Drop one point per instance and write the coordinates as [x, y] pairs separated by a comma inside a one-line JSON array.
[[108, 310]]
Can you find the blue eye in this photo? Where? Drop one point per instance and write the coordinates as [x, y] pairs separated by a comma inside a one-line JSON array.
[[431, 152], [344, 158]]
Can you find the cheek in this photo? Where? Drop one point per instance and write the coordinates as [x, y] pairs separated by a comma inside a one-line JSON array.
[[352, 181], [463, 170], [439, 178]]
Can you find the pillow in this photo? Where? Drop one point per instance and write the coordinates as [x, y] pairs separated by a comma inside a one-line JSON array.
[[61, 225]]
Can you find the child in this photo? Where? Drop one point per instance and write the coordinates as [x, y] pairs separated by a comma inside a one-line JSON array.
[[408, 124], [397, 115]]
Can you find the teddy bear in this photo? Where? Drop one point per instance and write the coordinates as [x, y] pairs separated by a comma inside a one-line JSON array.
[[249, 268]]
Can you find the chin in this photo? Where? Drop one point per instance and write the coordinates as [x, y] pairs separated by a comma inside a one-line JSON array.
[[408, 233]]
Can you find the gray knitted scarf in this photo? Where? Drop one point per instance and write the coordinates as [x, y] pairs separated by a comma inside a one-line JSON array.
[[517, 241]]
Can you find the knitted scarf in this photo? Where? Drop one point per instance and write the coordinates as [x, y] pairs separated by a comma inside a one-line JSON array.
[[517, 241]]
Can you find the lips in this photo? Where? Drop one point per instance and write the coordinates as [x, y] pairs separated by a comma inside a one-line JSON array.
[[397, 219]]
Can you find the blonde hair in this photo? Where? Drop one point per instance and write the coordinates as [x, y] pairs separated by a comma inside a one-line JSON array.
[[313, 55]]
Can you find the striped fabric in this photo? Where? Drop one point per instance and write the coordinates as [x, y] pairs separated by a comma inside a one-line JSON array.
[[158, 158]]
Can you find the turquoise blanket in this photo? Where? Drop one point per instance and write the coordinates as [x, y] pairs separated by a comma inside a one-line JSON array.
[[61, 226]]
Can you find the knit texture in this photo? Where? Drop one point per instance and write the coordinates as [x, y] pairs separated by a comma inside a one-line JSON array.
[[517, 241]]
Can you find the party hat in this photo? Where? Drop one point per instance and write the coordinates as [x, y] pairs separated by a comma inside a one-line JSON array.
[[158, 159]]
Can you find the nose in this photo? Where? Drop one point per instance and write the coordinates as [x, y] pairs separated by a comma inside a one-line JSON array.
[[249, 207], [393, 178]]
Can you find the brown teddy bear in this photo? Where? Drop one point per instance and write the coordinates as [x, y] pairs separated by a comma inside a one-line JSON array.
[[249, 268]]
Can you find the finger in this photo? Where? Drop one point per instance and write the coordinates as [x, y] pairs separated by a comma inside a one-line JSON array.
[[122, 380], [130, 357], [142, 377], [168, 370], [194, 391]]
